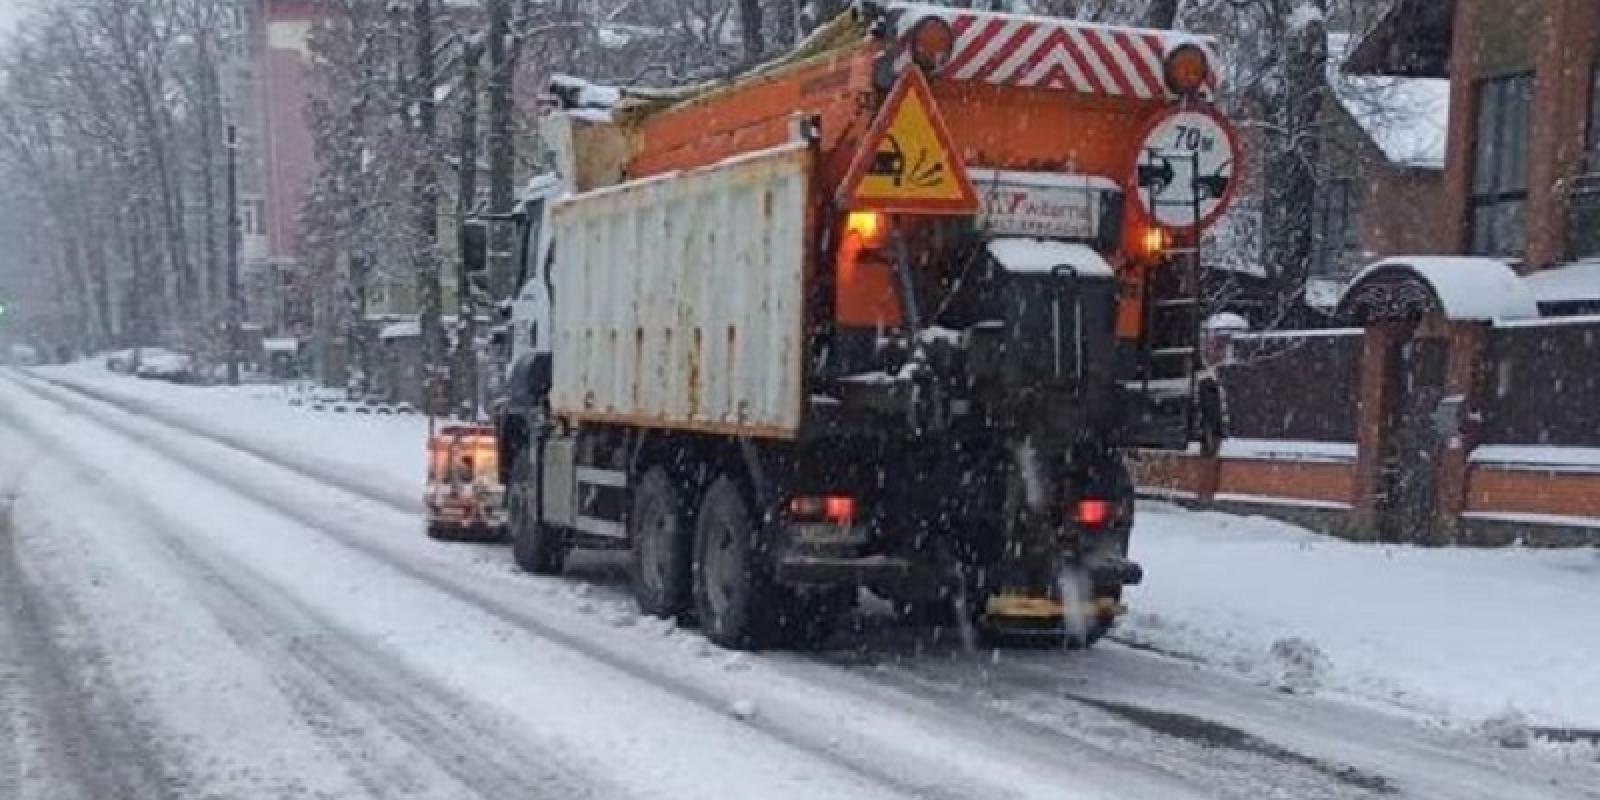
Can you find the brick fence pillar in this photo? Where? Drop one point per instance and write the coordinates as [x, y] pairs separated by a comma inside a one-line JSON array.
[[1208, 472], [1373, 424], [1463, 383]]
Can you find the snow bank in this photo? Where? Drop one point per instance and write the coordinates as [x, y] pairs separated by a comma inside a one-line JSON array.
[[385, 453], [1464, 635]]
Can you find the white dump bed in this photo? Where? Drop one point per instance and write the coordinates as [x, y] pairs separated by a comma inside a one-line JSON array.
[[678, 300]]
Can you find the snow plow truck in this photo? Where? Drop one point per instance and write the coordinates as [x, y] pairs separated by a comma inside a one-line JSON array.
[[881, 314]]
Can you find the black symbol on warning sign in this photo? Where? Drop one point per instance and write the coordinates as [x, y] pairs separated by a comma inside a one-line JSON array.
[[891, 163]]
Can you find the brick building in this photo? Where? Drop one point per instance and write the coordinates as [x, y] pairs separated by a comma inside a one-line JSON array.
[[1522, 178], [266, 84], [1383, 151]]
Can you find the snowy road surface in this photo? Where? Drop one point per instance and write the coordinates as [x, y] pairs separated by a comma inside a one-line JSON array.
[[187, 615]]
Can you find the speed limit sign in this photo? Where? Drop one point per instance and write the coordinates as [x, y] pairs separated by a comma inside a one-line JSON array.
[[1186, 169]]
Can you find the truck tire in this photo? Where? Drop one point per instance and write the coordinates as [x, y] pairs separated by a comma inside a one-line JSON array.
[[661, 539], [735, 596], [534, 545]]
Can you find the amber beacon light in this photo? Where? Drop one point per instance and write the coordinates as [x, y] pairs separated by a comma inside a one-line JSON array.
[[1186, 69]]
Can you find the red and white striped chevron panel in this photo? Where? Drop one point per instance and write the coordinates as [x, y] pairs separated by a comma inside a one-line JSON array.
[[1018, 50]]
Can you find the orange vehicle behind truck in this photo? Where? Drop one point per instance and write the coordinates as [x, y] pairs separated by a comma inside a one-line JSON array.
[[878, 315]]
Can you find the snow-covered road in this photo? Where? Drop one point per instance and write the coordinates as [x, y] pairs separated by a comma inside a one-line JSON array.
[[188, 615]]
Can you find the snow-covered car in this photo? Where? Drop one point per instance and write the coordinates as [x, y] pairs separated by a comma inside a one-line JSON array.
[[23, 355], [119, 361], [165, 365]]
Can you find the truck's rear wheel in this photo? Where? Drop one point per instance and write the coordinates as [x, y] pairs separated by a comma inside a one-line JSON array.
[[734, 592], [535, 546], [659, 531]]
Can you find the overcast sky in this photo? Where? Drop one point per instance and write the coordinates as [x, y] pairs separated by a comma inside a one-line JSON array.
[[9, 11]]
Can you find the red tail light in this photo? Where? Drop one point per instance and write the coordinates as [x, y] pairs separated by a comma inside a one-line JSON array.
[[1092, 513], [839, 509]]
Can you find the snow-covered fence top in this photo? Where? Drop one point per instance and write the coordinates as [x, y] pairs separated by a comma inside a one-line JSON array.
[[1044, 52]]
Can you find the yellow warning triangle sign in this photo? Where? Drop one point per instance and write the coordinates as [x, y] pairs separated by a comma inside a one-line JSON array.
[[907, 163]]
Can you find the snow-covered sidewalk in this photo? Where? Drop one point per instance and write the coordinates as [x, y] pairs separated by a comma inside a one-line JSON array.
[[1461, 635], [1457, 636]]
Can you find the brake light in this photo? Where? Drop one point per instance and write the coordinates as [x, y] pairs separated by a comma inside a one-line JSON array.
[[1092, 513], [840, 509], [837, 509]]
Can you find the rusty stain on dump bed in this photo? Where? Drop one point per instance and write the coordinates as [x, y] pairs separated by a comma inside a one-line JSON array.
[[639, 362], [694, 375]]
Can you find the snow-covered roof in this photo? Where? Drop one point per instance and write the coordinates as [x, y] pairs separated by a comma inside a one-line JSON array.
[[401, 330], [1226, 321], [1323, 292], [1468, 288], [575, 92], [1566, 284], [1021, 254], [1407, 118]]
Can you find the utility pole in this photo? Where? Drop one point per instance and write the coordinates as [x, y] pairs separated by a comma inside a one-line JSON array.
[[234, 306], [466, 196]]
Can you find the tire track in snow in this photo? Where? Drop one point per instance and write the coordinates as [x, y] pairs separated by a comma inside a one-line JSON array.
[[323, 672], [72, 398], [83, 740]]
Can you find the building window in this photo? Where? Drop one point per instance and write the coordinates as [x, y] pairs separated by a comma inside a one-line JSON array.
[[1500, 167], [253, 216], [1336, 231], [1592, 164]]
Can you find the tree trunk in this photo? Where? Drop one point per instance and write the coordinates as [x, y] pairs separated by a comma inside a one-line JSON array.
[[755, 42], [466, 195], [209, 115], [502, 147], [424, 191], [1161, 14], [1293, 152]]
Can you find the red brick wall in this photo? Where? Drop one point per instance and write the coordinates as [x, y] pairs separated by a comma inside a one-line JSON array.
[[1533, 492], [289, 150], [1399, 212], [1294, 480]]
